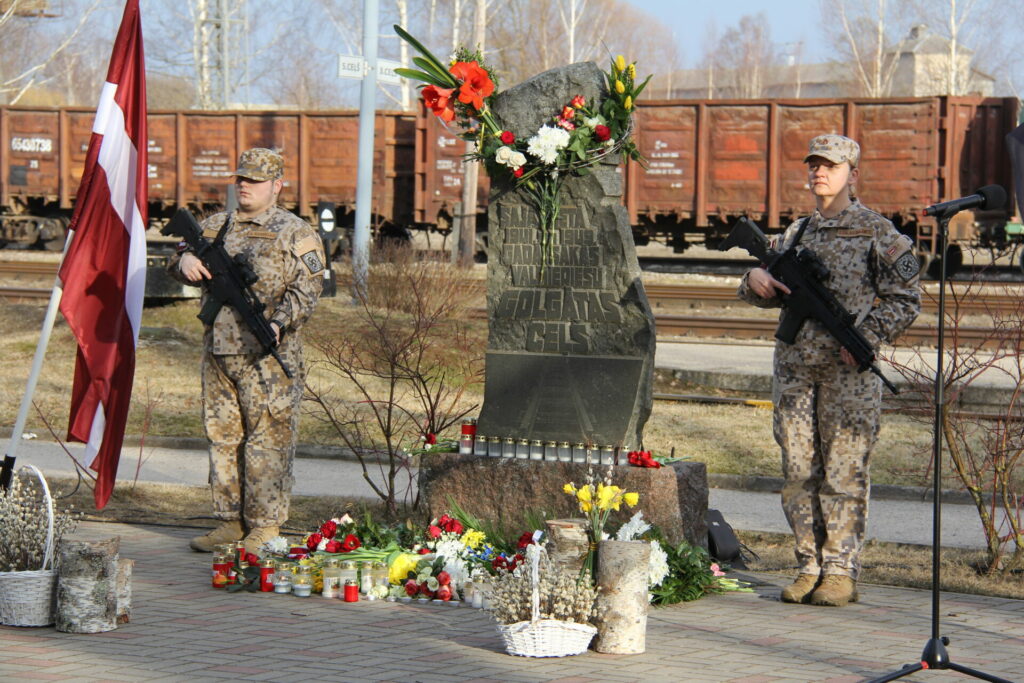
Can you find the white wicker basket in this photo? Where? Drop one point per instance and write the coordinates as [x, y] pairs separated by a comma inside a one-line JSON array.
[[544, 637], [26, 597]]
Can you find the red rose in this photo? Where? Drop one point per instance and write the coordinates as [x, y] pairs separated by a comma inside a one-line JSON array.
[[444, 578], [329, 528], [525, 540], [431, 439], [444, 521], [643, 459], [518, 172], [350, 543], [602, 133], [444, 593], [507, 138], [411, 589], [424, 551], [568, 112], [455, 527], [578, 101], [434, 531], [313, 541], [425, 590], [334, 546]]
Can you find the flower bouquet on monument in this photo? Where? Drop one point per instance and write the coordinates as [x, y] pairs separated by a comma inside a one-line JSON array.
[[597, 500], [543, 610], [572, 140]]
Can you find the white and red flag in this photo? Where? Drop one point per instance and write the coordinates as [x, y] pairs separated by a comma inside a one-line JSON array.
[[104, 271]]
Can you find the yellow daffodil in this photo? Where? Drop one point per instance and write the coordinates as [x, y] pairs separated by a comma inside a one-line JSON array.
[[620, 63], [585, 494], [586, 506], [628, 104], [619, 87], [569, 488], [606, 497], [473, 538], [631, 498]]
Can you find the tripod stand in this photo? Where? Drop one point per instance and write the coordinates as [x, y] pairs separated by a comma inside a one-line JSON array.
[[934, 655]]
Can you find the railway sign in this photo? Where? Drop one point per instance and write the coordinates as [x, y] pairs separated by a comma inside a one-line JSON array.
[[354, 66]]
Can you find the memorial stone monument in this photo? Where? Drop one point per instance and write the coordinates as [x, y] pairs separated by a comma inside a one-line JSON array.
[[570, 352]]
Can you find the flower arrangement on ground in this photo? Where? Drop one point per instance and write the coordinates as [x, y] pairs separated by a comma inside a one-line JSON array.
[[23, 526], [576, 137], [597, 501]]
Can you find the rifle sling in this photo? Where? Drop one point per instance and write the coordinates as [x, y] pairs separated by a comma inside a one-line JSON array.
[[223, 230]]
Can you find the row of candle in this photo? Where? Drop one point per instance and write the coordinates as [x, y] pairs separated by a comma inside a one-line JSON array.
[[524, 449]]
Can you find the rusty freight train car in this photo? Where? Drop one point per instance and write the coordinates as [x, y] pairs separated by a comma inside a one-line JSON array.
[[712, 161], [190, 155]]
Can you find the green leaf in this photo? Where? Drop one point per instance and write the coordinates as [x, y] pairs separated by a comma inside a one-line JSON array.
[[418, 46], [443, 76], [636, 93], [415, 75]]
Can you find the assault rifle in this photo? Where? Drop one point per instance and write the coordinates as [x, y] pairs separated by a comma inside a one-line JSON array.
[[231, 282], [804, 272]]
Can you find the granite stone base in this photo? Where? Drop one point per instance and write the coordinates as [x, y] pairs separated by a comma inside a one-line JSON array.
[[506, 491]]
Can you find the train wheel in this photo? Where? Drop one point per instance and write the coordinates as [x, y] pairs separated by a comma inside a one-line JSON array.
[[954, 262]]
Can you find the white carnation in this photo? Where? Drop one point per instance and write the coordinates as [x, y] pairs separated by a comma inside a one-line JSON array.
[[547, 142], [276, 546], [657, 568], [634, 528]]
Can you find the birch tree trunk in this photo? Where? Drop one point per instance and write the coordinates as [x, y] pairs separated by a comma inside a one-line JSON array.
[[567, 544], [622, 597], [87, 586]]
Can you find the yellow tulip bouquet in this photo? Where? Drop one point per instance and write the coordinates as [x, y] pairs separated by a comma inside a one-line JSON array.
[[597, 502]]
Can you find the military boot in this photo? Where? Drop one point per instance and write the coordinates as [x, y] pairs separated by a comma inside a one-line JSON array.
[[258, 536], [835, 590], [801, 589], [227, 532]]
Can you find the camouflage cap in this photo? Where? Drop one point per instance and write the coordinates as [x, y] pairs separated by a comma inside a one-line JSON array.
[[835, 148], [259, 164]]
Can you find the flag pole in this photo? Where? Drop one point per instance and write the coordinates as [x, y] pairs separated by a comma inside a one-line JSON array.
[[7, 470]]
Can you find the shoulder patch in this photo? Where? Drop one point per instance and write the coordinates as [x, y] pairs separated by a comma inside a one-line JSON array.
[[310, 250], [906, 266], [855, 232], [210, 233], [312, 261]]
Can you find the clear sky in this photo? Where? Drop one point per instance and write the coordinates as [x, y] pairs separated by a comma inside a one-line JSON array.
[[790, 21]]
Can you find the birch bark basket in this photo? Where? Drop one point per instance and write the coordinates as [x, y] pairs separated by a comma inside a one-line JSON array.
[[622, 569], [567, 543], [87, 585]]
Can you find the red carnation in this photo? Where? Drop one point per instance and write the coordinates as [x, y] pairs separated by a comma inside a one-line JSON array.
[[525, 540], [350, 543], [313, 541], [507, 137], [434, 531], [333, 546], [566, 123], [602, 133], [329, 528]]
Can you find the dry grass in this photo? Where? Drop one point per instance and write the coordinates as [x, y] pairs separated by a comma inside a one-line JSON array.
[[894, 564]]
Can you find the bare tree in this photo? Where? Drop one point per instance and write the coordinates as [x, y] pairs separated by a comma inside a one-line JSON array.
[[743, 58], [35, 43], [863, 30], [976, 32]]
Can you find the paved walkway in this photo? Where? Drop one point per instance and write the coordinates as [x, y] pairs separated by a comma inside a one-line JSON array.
[[183, 630]]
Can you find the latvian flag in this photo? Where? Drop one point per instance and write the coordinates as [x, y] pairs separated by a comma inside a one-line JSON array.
[[104, 271]]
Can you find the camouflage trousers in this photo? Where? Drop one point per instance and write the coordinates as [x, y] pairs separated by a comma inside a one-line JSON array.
[[826, 421], [250, 411]]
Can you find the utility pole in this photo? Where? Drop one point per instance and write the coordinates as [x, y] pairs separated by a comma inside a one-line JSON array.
[[219, 29], [471, 169], [364, 170]]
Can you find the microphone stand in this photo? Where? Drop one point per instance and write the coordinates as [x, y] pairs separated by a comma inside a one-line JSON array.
[[934, 655]]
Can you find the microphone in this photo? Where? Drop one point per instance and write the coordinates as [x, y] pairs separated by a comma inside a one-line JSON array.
[[988, 197]]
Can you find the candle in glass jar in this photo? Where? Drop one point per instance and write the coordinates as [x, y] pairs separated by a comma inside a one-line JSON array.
[[536, 450], [508, 447], [220, 571], [480, 445], [608, 455], [551, 451], [494, 447], [351, 591], [579, 452], [523, 449], [267, 576], [564, 452]]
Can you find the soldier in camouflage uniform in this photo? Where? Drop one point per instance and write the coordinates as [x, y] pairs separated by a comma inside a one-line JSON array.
[[249, 405], [826, 416]]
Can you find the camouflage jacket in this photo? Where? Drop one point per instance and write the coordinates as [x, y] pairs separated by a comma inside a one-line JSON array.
[[874, 274], [288, 258]]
